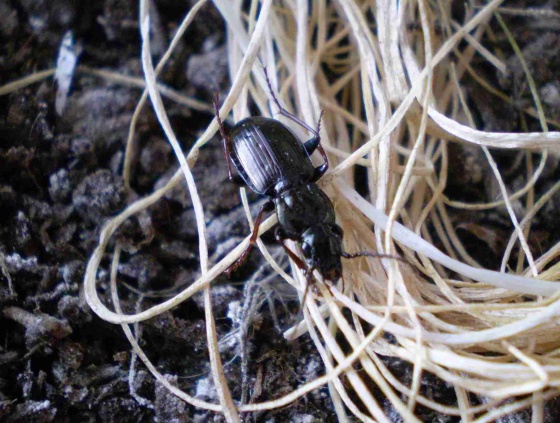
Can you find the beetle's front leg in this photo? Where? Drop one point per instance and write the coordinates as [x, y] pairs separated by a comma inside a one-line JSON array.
[[281, 237], [267, 207]]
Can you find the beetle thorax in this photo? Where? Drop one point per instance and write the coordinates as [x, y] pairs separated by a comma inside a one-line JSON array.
[[301, 207]]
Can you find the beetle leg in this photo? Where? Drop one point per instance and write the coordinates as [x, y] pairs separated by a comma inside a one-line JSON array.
[[281, 236], [287, 114], [320, 171], [226, 141], [308, 279], [267, 207], [315, 142], [311, 145]]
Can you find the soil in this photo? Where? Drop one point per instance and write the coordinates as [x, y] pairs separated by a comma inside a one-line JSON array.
[[60, 180]]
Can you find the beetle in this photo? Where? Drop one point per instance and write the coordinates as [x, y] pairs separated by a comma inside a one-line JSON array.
[[271, 160]]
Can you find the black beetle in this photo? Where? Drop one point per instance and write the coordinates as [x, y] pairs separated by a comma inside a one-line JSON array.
[[271, 161]]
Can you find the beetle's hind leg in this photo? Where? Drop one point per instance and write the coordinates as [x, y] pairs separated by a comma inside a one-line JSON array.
[[321, 170], [311, 145], [290, 116], [226, 142]]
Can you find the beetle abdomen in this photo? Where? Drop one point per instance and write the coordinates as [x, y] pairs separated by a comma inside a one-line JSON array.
[[268, 155]]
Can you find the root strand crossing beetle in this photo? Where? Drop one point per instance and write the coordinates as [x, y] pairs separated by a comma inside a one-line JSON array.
[[272, 161]]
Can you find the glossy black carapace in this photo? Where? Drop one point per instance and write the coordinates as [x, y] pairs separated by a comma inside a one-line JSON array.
[[271, 160]]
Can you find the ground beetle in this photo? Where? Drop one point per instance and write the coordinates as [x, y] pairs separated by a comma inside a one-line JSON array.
[[272, 161]]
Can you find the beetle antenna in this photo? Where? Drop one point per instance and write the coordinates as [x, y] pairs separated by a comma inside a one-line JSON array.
[[371, 254]]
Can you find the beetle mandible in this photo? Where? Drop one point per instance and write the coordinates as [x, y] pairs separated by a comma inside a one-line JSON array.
[[270, 159]]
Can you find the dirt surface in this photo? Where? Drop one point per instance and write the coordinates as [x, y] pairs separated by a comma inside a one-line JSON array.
[[60, 180]]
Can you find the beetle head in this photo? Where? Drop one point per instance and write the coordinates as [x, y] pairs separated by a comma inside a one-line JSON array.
[[321, 246]]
